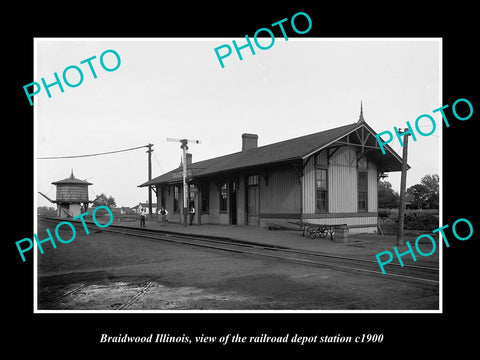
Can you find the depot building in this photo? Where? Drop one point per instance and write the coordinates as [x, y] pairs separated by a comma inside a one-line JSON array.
[[329, 177]]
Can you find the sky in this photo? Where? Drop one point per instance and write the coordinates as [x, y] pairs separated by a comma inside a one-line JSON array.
[[176, 88]]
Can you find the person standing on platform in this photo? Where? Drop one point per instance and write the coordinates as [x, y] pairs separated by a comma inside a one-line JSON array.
[[163, 216], [192, 212], [142, 218]]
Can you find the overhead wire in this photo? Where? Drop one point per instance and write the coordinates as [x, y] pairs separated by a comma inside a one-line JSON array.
[[158, 162], [88, 155]]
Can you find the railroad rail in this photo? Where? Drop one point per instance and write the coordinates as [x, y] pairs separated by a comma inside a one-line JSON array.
[[408, 273]]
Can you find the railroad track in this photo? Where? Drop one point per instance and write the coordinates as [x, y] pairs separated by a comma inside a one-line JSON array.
[[68, 293], [407, 273]]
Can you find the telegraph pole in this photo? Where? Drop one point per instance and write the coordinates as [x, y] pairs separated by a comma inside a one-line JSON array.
[[149, 151], [184, 148], [403, 186]]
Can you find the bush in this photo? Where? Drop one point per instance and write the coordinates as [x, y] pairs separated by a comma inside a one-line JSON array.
[[418, 221], [384, 213], [413, 221]]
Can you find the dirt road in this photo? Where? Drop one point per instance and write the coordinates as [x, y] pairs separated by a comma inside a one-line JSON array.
[[105, 271]]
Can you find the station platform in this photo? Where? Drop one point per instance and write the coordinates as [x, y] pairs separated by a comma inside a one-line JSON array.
[[358, 245]]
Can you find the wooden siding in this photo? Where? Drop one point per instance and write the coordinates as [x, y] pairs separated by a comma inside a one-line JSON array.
[[339, 215], [282, 194], [215, 216], [372, 187], [241, 203], [72, 192], [342, 182], [309, 187], [68, 210], [169, 195], [205, 218], [372, 190]]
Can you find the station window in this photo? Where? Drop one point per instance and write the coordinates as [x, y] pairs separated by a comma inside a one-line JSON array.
[[252, 180], [223, 197], [321, 190], [192, 191], [362, 191]]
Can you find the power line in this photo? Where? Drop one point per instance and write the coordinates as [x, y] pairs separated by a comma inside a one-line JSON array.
[[87, 155], [158, 162]]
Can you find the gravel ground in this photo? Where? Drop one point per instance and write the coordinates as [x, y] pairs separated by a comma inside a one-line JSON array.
[[105, 271]]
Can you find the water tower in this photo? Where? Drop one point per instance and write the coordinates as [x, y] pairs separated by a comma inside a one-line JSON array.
[[72, 196]]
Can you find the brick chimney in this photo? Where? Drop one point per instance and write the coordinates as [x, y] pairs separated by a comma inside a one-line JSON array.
[[249, 141]]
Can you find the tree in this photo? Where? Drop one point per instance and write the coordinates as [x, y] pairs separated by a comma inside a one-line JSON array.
[[426, 194], [431, 182], [417, 194], [387, 197], [103, 200]]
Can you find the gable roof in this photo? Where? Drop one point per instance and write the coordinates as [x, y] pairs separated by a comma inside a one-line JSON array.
[[288, 150], [71, 180], [143, 205]]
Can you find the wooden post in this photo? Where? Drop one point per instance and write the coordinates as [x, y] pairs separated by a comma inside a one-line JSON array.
[[403, 186], [184, 148], [149, 151]]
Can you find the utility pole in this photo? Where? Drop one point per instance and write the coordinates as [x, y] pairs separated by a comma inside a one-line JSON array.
[[184, 148], [149, 151], [403, 186]]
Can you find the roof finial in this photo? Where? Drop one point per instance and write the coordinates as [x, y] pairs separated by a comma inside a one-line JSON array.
[[361, 113], [71, 175]]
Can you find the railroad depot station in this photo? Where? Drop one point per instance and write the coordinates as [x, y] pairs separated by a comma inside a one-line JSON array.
[[329, 177]]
